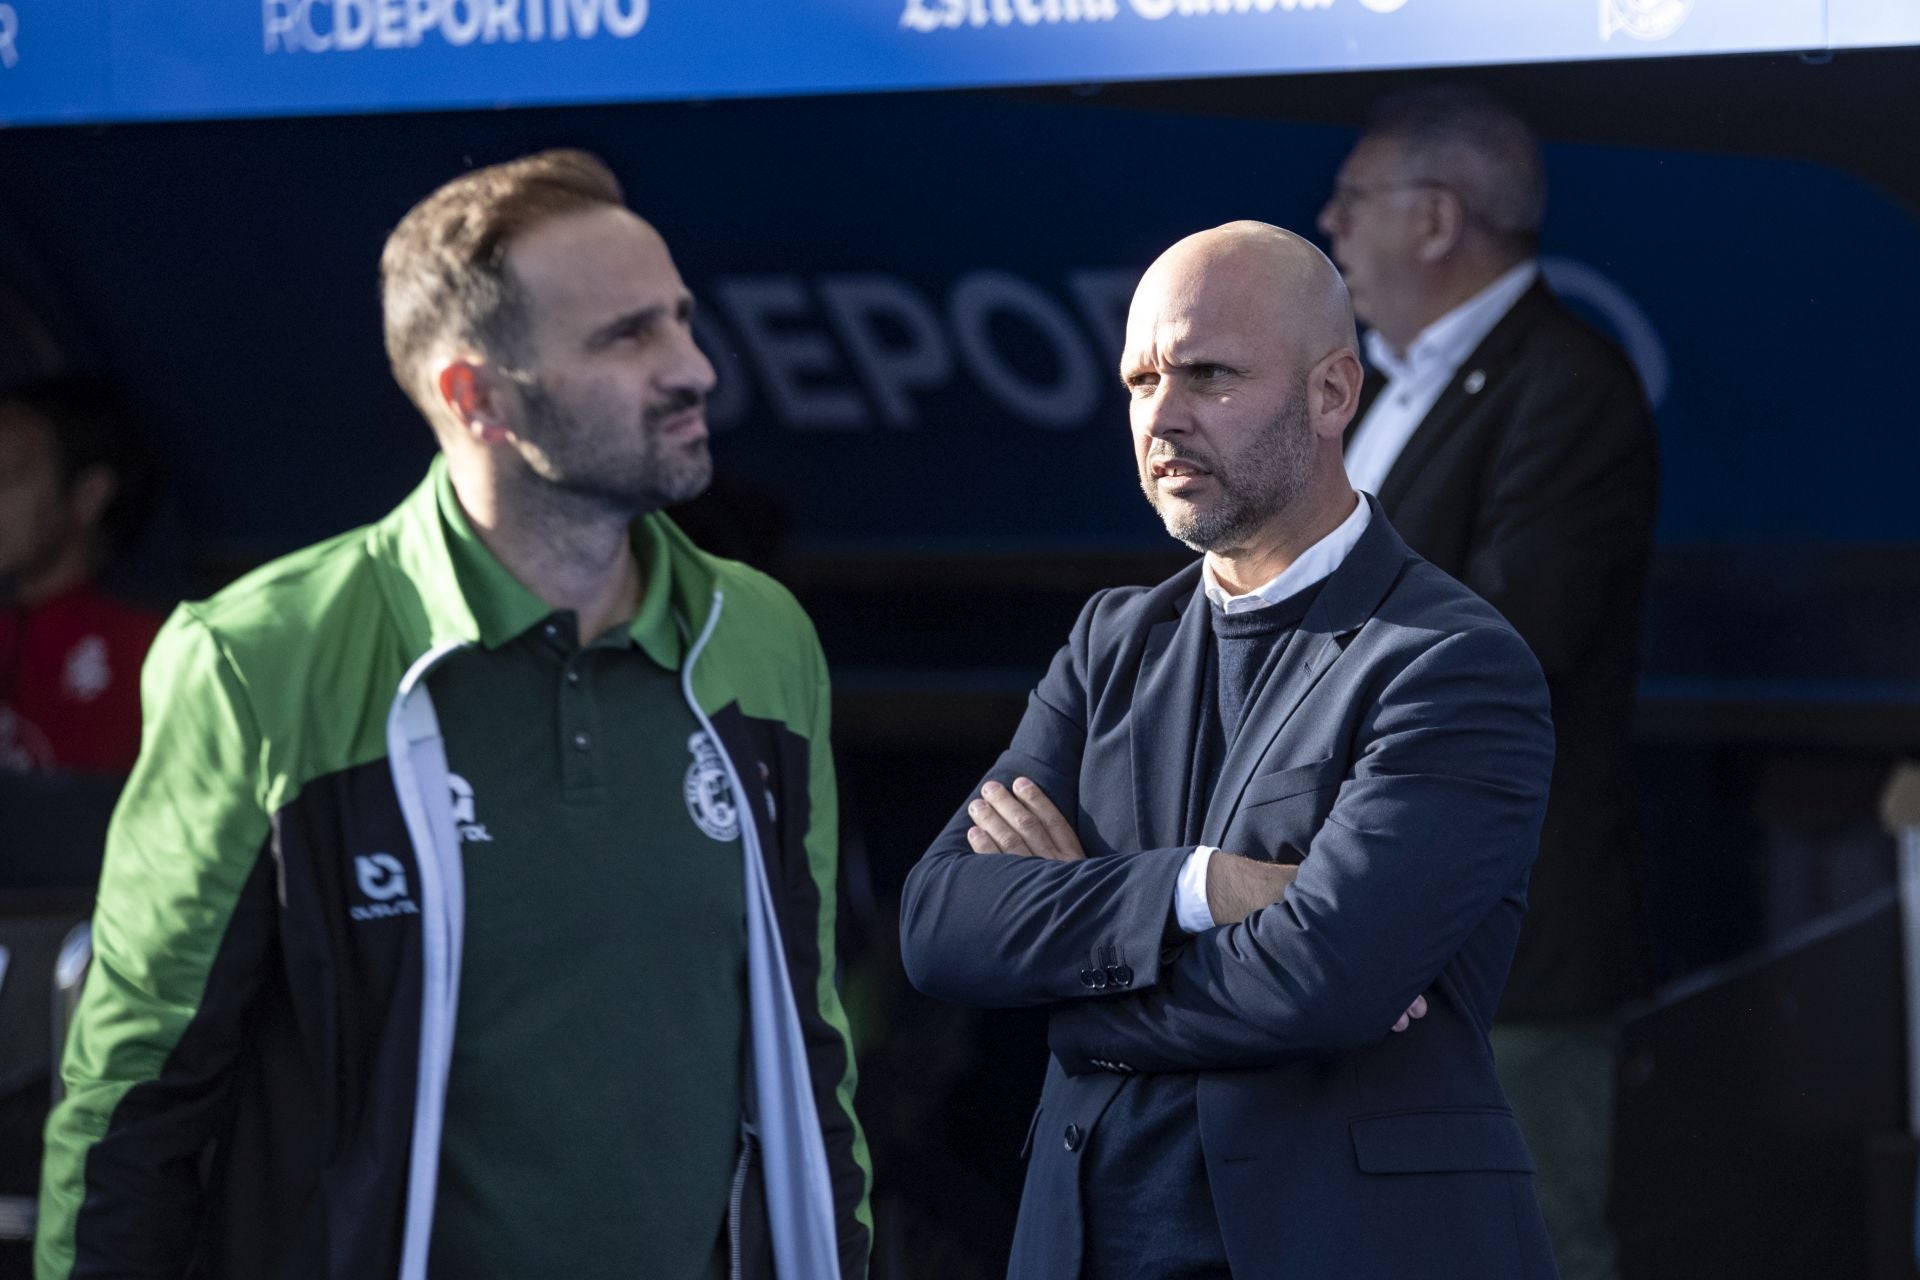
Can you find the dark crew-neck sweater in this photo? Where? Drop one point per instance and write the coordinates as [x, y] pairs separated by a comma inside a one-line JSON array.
[[1241, 654], [1245, 647]]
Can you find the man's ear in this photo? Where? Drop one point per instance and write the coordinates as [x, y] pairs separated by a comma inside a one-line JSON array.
[[1443, 223], [1333, 392], [473, 394]]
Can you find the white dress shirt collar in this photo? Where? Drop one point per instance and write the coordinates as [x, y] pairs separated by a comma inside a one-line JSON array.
[[1448, 341], [1316, 562], [1419, 376]]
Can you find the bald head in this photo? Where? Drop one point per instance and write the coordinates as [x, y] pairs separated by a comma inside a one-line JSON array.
[[1256, 273], [1242, 373]]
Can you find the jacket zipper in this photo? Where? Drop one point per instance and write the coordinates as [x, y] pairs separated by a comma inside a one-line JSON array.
[[735, 1196]]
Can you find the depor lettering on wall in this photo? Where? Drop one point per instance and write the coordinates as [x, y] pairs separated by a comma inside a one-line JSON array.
[[858, 351]]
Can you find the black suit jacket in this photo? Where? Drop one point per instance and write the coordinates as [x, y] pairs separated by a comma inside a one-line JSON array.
[[1533, 480], [1403, 745]]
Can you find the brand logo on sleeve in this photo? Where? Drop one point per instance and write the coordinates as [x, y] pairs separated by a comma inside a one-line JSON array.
[[709, 795], [383, 880]]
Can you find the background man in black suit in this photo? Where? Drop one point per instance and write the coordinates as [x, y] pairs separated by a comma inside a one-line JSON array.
[[1511, 446], [1250, 815]]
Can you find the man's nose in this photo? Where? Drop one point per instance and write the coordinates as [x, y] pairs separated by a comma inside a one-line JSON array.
[[691, 370], [1163, 415], [1329, 219]]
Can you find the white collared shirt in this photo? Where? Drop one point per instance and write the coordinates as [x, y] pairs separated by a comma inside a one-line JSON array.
[[1310, 566], [1317, 562], [1416, 379]]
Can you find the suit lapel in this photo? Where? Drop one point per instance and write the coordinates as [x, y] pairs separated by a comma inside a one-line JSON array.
[[1164, 720], [1478, 374], [1343, 606]]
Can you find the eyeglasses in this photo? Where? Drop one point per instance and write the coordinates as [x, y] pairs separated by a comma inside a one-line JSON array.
[[1346, 195]]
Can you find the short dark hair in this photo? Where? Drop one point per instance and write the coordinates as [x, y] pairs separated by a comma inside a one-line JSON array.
[[1478, 147], [93, 425], [443, 272]]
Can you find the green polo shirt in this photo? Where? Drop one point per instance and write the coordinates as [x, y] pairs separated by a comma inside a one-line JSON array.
[[593, 1108]]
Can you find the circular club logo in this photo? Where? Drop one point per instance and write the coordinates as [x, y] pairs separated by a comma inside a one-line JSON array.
[[709, 797]]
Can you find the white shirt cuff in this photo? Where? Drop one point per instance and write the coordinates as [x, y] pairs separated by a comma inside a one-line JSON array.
[[1190, 910]]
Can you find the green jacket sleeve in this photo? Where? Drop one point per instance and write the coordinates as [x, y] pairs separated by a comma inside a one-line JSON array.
[[184, 920]]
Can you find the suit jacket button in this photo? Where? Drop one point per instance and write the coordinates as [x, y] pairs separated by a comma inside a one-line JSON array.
[[1092, 979], [1073, 1137], [1120, 975]]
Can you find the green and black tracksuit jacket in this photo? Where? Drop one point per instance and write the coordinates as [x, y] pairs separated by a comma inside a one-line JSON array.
[[256, 1075]]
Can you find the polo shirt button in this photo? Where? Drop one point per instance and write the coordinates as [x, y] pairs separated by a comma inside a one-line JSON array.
[[581, 742], [1072, 1137], [1120, 975], [1092, 979], [551, 630], [573, 677]]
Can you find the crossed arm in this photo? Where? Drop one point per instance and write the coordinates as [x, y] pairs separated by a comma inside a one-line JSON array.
[[1434, 827], [1020, 821]]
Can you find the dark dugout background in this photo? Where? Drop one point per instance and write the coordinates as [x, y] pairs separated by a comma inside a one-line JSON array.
[[914, 302]]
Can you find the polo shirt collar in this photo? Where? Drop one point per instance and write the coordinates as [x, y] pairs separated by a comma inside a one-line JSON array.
[[504, 609]]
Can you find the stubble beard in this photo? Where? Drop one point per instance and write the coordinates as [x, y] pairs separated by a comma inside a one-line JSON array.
[[575, 464], [1263, 480]]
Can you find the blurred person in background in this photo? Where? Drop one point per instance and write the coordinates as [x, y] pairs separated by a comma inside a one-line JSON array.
[[76, 488], [471, 909], [1511, 445]]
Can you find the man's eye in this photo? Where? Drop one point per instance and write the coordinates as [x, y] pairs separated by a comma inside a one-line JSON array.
[[1205, 372], [1143, 384]]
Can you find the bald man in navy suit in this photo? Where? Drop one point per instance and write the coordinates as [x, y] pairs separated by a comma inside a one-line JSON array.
[[1256, 821]]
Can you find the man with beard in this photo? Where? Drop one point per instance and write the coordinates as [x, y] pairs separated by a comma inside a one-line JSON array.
[[470, 909], [1252, 814]]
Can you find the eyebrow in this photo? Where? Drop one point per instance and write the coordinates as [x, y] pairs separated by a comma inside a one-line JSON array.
[[641, 321], [1128, 368]]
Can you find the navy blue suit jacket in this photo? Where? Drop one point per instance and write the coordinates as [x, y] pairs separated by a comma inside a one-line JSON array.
[[1400, 752]]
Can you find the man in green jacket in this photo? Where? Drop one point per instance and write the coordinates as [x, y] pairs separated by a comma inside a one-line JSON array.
[[470, 909]]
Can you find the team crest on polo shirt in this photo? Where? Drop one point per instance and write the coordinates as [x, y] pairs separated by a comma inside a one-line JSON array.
[[709, 795]]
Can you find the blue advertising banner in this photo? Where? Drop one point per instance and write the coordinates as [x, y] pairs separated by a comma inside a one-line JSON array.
[[1865, 23], [108, 60]]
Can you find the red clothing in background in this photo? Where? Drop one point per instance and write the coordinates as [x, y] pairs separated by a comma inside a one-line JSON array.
[[70, 683]]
